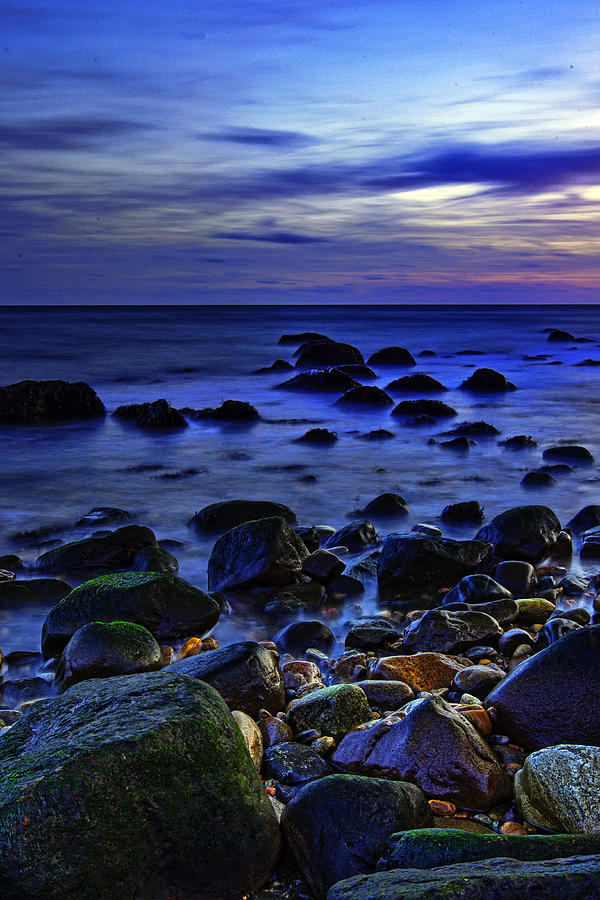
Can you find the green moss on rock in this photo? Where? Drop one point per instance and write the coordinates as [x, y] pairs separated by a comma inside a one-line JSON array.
[[333, 710]]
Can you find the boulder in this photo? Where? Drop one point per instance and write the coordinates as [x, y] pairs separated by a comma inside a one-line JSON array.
[[487, 381], [421, 671], [464, 511], [294, 764], [472, 429], [155, 765], [325, 380], [418, 748], [217, 518], [333, 710], [154, 559], [354, 536], [475, 589], [588, 517], [372, 633], [525, 533], [297, 637], [416, 384], [337, 826], [557, 336], [48, 402], [261, 553], [386, 695], [158, 414], [412, 563], [164, 604], [302, 338], [569, 453], [365, 395], [318, 436], [443, 631], [229, 411], [537, 479], [102, 649], [323, 566], [424, 407], [392, 356], [547, 699], [95, 555], [386, 506], [320, 354]]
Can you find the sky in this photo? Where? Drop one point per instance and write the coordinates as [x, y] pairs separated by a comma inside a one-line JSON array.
[[310, 151]]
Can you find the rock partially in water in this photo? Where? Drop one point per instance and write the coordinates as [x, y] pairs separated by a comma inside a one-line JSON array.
[[355, 536], [569, 453], [326, 380], [464, 511], [365, 395], [229, 411], [319, 354], [280, 365], [424, 407], [487, 381], [386, 506], [522, 533], [217, 518], [323, 566], [297, 637], [48, 402], [557, 336], [318, 436], [392, 356], [302, 338], [158, 414], [94, 555], [33, 590], [416, 384], [518, 442], [538, 479], [475, 589], [588, 517]]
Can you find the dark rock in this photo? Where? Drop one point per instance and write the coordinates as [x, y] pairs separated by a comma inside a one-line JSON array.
[[392, 356], [476, 589], [92, 555], [588, 517], [48, 402], [102, 649], [318, 436], [246, 675], [372, 633], [365, 395], [416, 421], [459, 444], [386, 506], [158, 765], [104, 515], [302, 338], [512, 639], [297, 637], [154, 559], [379, 434], [319, 354], [487, 381], [537, 479], [590, 546], [354, 536], [547, 698], [477, 680], [386, 694], [558, 469], [229, 411], [261, 553], [516, 576], [326, 380], [164, 604], [297, 597], [412, 563], [323, 566], [20, 689], [11, 562], [417, 749], [518, 442], [358, 370], [556, 336], [280, 365], [427, 353], [449, 632], [34, 590], [333, 710], [292, 763], [553, 630], [424, 406], [337, 826], [344, 588], [473, 429], [504, 611], [465, 511], [310, 537], [588, 362], [158, 414], [416, 384], [522, 533], [570, 453], [217, 518]]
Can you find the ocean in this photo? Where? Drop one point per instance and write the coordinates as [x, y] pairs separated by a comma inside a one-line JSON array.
[[198, 356]]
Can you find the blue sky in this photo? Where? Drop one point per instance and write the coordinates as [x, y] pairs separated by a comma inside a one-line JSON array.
[[327, 151]]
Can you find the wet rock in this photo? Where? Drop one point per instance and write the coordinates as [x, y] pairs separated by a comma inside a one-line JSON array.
[[588, 517], [459, 444], [310, 536], [333, 710], [358, 370], [274, 731], [512, 639], [280, 365], [19, 593], [294, 764], [386, 506], [516, 576], [245, 674], [326, 380], [354, 536], [417, 748], [94, 555], [104, 515], [297, 637], [569, 453], [477, 680], [323, 566], [48, 402], [416, 384], [229, 411], [217, 518], [553, 630], [504, 611], [534, 610], [590, 544], [365, 395], [158, 414], [295, 597], [319, 354], [557, 789], [487, 381], [419, 420], [261, 553], [473, 429], [537, 479], [412, 563], [421, 671], [155, 559], [475, 589], [251, 735], [379, 434], [436, 408], [337, 826], [522, 533], [392, 356], [465, 511], [518, 442], [449, 632], [158, 764], [387, 695], [371, 633], [302, 338], [103, 649], [318, 436], [556, 336], [164, 604]]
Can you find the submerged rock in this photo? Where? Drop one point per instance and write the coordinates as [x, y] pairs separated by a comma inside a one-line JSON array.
[[48, 402], [92, 555], [217, 518]]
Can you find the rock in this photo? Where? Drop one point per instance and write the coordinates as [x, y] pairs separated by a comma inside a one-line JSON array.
[[516, 576], [154, 559], [534, 611], [158, 414], [261, 553], [421, 671], [487, 381], [310, 536], [302, 338], [475, 589], [157, 764], [48, 402], [100, 650], [333, 710], [379, 434], [365, 395], [318, 436], [472, 429], [323, 566], [392, 356], [425, 528], [251, 735], [553, 630], [344, 588], [537, 479], [425, 407], [417, 421], [94, 555], [522, 533], [294, 764], [412, 563], [518, 442], [557, 789], [372, 633], [337, 826], [217, 518], [477, 680], [417, 749], [33, 590], [354, 536], [326, 380], [297, 637], [547, 698], [459, 444], [104, 515], [512, 639], [274, 731], [504, 611], [319, 354], [386, 506], [569, 453], [557, 336], [588, 517], [296, 597], [229, 411], [590, 544], [358, 370], [439, 630], [280, 365], [416, 384], [387, 695], [164, 604], [465, 511]]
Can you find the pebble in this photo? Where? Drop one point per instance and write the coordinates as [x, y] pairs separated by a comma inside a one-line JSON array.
[[442, 808]]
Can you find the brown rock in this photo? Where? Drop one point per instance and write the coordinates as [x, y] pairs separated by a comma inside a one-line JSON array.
[[274, 731], [421, 671], [442, 808]]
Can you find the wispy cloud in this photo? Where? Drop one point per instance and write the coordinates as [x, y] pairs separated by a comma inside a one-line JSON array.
[[66, 133], [269, 237], [261, 137]]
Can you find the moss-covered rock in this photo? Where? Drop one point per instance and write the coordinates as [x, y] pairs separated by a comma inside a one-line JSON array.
[[102, 649], [164, 604], [95, 555], [333, 710], [132, 787]]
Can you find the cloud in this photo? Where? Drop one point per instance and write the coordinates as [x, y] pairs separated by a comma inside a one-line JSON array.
[[262, 137], [68, 133], [270, 237]]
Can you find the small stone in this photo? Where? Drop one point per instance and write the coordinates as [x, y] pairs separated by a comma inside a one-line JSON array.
[[190, 648], [442, 808], [324, 745], [512, 828]]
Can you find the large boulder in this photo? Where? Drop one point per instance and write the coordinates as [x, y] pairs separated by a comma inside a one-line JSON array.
[[365, 395], [95, 555], [447, 631], [527, 533], [424, 407], [246, 675], [477, 589], [158, 414], [48, 402], [486, 381], [260, 553], [217, 518], [337, 826], [434, 747], [392, 356], [164, 604], [547, 699], [319, 354], [138, 786], [411, 563], [418, 383], [325, 380]]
